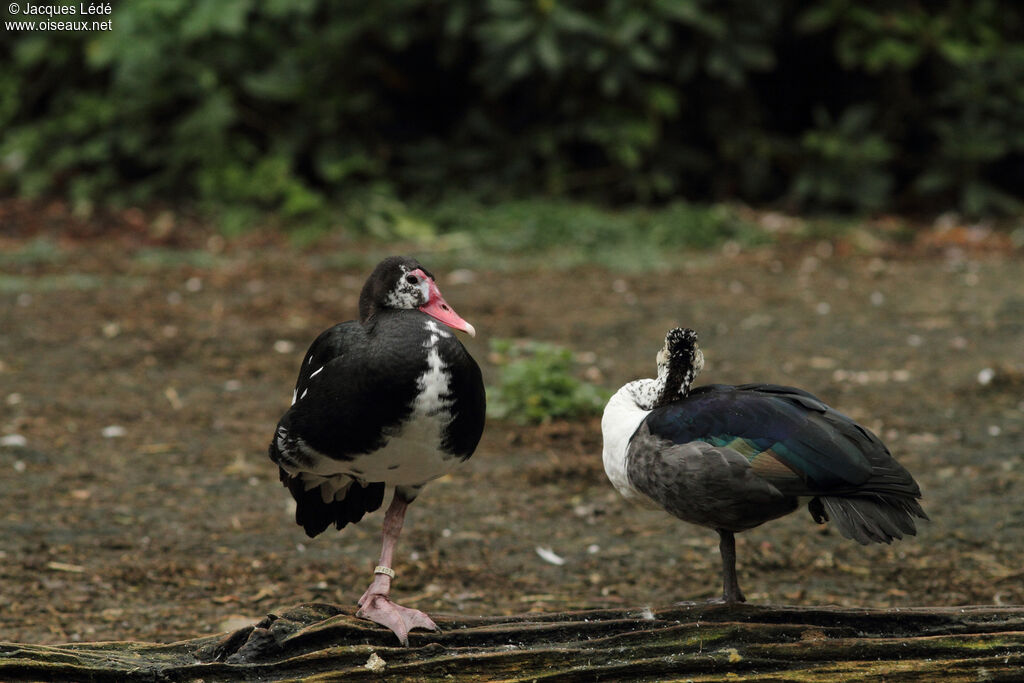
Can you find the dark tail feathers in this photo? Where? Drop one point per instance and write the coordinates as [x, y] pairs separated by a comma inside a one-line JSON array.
[[314, 515], [871, 518]]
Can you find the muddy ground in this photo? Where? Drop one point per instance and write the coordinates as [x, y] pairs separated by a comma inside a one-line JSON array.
[[141, 378]]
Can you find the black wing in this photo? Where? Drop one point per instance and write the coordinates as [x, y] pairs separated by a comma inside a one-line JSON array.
[[801, 446], [337, 370], [469, 400], [351, 392], [790, 437]]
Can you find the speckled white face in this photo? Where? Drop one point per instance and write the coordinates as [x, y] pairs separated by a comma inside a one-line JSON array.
[[662, 361], [412, 290], [696, 365], [698, 362]]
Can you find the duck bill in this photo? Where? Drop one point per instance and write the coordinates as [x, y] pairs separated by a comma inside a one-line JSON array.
[[439, 309]]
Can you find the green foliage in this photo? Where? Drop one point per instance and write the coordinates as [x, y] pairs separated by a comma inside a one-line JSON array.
[[292, 105], [940, 107], [540, 225], [537, 383], [556, 232], [40, 251], [846, 162]]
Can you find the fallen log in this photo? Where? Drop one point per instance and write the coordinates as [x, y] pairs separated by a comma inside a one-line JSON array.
[[699, 642]]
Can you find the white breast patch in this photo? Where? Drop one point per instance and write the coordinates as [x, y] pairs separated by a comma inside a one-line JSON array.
[[619, 422]]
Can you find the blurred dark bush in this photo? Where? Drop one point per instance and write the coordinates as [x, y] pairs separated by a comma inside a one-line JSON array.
[[287, 105]]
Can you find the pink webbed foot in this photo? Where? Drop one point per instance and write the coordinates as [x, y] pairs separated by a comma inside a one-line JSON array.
[[379, 608], [375, 604]]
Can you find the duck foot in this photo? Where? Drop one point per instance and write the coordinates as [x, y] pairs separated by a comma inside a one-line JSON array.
[[380, 609]]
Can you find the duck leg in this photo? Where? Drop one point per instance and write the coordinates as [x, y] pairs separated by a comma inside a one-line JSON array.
[[376, 605], [731, 592]]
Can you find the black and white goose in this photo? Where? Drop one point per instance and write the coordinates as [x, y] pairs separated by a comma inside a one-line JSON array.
[[392, 400], [733, 457]]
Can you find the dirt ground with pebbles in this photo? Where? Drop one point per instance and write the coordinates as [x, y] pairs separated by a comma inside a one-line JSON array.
[[141, 379]]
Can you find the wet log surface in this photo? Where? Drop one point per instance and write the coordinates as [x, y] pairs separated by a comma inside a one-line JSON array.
[[701, 642]]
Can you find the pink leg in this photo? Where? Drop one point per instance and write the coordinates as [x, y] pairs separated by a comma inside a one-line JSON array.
[[375, 604]]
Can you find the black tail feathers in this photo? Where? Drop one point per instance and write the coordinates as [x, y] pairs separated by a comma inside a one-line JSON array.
[[314, 515], [869, 518]]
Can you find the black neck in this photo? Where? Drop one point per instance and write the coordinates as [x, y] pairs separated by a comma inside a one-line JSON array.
[[677, 383], [367, 302]]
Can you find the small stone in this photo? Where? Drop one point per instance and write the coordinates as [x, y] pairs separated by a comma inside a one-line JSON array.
[[375, 663], [13, 441]]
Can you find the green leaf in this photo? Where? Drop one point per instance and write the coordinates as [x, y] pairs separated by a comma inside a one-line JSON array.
[[547, 51], [817, 18], [212, 17]]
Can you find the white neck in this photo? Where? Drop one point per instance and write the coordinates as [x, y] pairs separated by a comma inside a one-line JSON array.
[[623, 414]]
